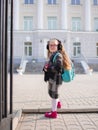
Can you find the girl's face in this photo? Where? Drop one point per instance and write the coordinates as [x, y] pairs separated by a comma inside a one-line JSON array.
[[53, 46]]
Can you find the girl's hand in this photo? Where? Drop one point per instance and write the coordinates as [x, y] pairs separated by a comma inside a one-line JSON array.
[[46, 67]]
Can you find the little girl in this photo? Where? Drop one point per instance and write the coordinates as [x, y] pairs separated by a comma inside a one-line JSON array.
[[52, 73]]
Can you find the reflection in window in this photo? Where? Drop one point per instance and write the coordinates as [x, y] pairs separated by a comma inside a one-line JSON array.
[[51, 1], [52, 23], [76, 24], [76, 49]]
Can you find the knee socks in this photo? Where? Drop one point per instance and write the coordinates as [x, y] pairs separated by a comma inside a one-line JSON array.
[[54, 104]]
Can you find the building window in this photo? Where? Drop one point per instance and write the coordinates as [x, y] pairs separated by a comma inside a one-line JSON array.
[[76, 49], [76, 24], [52, 23], [28, 49], [95, 2], [97, 49], [28, 23], [51, 1], [75, 2], [29, 1], [95, 24]]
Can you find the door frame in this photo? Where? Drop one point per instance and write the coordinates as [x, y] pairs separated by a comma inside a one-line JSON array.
[[5, 114]]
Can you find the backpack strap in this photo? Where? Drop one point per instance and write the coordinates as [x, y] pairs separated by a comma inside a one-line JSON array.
[[55, 56]]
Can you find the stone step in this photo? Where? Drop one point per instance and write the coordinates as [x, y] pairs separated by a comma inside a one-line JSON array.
[[38, 68]]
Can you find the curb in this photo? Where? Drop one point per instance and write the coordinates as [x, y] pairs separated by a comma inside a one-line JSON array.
[[73, 110], [16, 119]]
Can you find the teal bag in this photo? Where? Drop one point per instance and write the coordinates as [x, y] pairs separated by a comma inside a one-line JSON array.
[[67, 75]]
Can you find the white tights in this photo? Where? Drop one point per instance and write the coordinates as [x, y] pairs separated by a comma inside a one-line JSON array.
[[54, 104]]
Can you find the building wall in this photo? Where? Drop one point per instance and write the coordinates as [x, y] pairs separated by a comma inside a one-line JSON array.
[[64, 11], [56, 10]]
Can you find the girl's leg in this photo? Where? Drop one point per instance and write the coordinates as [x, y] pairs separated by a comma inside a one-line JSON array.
[[53, 93], [54, 104], [58, 100], [53, 113]]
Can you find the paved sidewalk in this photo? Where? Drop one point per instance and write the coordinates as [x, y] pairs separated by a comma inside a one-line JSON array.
[[81, 95]]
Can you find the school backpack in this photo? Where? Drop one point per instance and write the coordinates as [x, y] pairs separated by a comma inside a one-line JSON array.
[[67, 75]]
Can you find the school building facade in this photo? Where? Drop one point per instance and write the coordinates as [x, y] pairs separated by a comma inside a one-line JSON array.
[[74, 22]]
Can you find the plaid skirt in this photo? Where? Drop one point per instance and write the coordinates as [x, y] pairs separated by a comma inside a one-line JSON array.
[[53, 89]]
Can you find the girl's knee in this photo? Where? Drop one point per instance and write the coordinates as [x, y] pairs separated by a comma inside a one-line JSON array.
[[53, 95]]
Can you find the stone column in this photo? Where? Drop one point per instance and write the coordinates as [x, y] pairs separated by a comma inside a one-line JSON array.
[[40, 14], [64, 14], [16, 14], [87, 15]]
